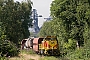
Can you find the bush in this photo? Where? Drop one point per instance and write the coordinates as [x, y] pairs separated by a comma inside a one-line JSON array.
[[8, 48], [81, 53], [3, 58], [69, 46]]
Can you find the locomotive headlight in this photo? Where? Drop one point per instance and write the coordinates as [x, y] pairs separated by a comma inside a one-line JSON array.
[[52, 42]]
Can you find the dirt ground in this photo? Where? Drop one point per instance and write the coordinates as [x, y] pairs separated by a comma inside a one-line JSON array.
[[26, 57]]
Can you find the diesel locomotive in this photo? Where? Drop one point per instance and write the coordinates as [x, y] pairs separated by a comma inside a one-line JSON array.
[[46, 46], [42, 45]]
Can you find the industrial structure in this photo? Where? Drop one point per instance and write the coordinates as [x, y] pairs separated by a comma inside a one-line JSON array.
[[48, 18], [35, 28]]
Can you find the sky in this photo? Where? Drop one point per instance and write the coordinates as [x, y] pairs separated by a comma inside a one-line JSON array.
[[42, 7]]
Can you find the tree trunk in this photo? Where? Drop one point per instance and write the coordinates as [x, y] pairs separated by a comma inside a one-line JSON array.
[[77, 43]]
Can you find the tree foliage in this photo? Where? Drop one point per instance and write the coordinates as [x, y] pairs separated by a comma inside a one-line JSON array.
[[46, 29], [71, 20], [73, 14], [14, 23], [15, 18], [8, 48]]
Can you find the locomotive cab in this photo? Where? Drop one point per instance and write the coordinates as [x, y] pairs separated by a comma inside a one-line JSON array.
[[49, 46]]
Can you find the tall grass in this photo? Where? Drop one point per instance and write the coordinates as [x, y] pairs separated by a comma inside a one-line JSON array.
[[3, 58], [22, 53], [25, 51]]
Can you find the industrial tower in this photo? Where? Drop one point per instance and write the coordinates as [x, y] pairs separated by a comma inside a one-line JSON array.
[[35, 21]]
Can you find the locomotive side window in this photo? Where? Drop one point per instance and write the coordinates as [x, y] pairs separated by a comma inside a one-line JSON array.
[[53, 38]]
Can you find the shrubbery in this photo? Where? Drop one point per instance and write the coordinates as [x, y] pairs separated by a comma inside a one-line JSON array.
[[3, 58], [79, 54], [70, 45], [8, 48]]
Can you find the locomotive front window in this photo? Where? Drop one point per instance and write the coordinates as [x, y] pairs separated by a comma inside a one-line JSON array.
[[50, 39], [47, 38], [53, 38]]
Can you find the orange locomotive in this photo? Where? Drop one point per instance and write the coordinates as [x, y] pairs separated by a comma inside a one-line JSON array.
[[49, 46], [43, 45]]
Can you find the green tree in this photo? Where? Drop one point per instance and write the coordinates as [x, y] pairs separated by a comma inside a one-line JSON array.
[[15, 18], [73, 15], [71, 25], [46, 29]]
